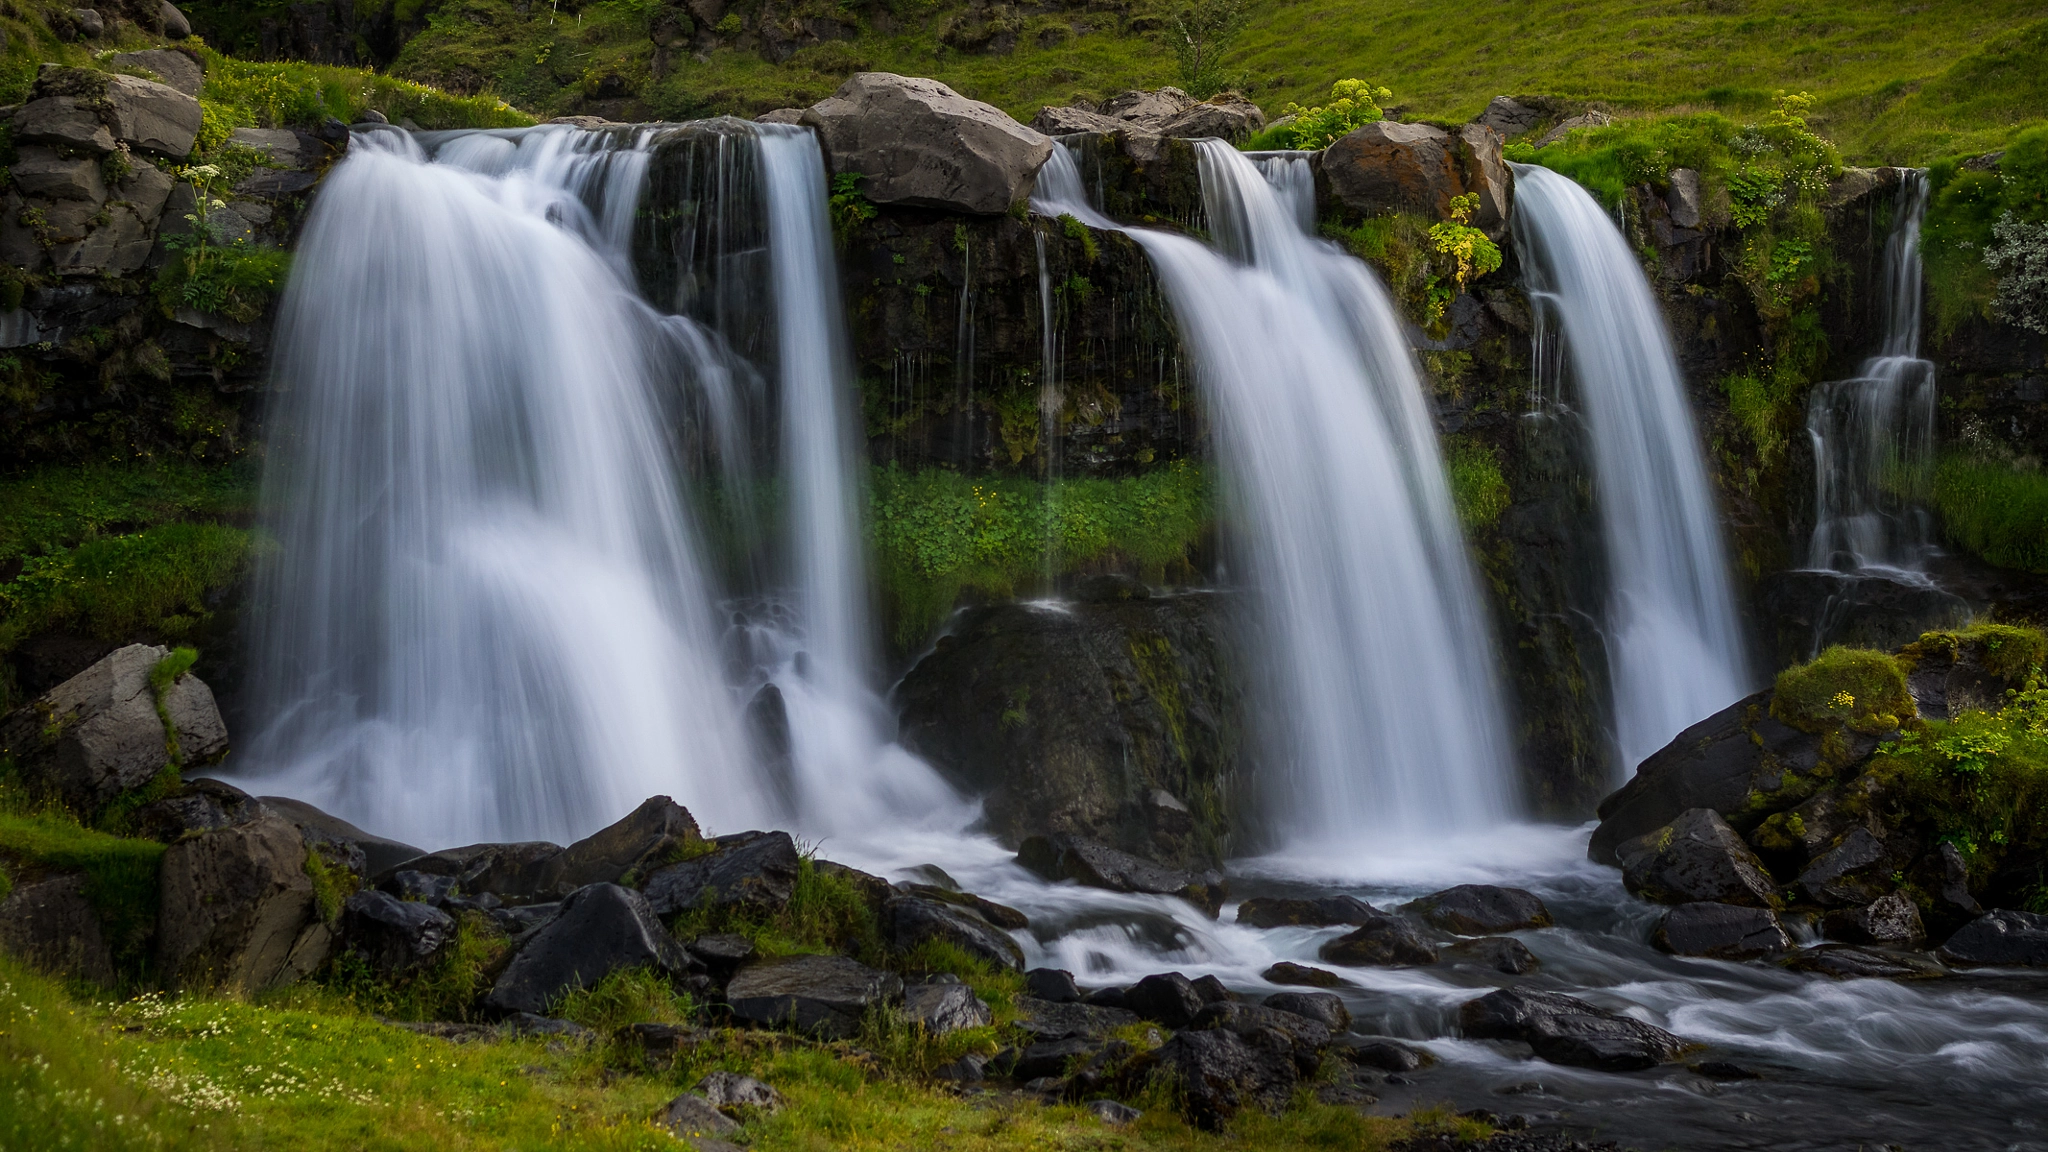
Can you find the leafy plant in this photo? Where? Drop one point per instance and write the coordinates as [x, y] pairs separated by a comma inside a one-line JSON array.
[[1203, 32], [1468, 247], [2019, 254], [848, 206], [208, 271], [1353, 104]]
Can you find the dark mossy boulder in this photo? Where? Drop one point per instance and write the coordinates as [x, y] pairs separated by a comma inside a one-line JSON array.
[[1217, 1073], [1054, 1020], [53, 926], [1114, 721], [394, 937], [910, 921], [1696, 858], [514, 872], [753, 872], [2004, 938], [1307, 1035], [237, 909], [1503, 954]]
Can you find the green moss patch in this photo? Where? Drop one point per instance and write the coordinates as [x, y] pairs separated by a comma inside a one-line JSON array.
[[1854, 688]]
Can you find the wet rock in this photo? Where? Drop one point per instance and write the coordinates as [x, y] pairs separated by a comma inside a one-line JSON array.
[[1566, 1030], [151, 118], [1167, 998], [1509, 117], [232, 905], [1385, 166], [51, 925], [422, 887], [63, 122], [730, 1091], [943, 1008], [1849, 962], [908, 921], [1386, 941], [2003, 938], [1497, 953], [1219, 1073], [1856, 870], [723, 953], [98, 734], [1385, 1055], [1288, 972], [1211, 990], [1721, 932], [1696, 857], [517, 921], [1955, 882], [1322, 1007], [1049, 1021], [691, 1117], [199, 805], [379, 854], [823, 996], [1110, 997], [1054, 985], [1001, 915], [1481, 910], [1890, 920], [872, 888], [599, 930], [921, 144], [1100, 866], [1283, 911], [512, 872], [637, 844], [1717, 763], [169, 66], [1307, 1037], [749, 871], [396, 937]]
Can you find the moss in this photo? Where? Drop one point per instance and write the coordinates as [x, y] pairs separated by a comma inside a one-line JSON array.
[[332, 886], [1152, 655], [1478, 489], [2010, 652], [1854, 688]]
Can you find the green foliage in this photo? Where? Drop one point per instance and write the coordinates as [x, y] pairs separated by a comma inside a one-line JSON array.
[[1073, 229], [826, 913], [1854, 688], [1468, 247], [1994, 509], [167, 671], [627, 996], [1477, 486], [1203, 33], [938, 532], [848, 206], [245, 93], [1984, 241], [446, 989], [1352, 104], [332, 885], [210, 273]]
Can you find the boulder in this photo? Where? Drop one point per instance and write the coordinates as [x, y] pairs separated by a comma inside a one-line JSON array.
[[45, 174], [1566, 126], [1167, 998], [1228, 117], [2003, 938], [1721, 932], [696, 1120], [723, 953], [1890, 920], [167, 66], [1288, 972], [1495, 953], [825, 996], [1385, 166], [1480, 910], [379, 854], [1219, 1073], [1306, 1035], [1324, 1008], [1211, 989], [730, 1092], [1100, 866], [1857, 869], [174, 24], [1048, 1059], [512, 872], [1683, 199], [199, 805], [53, 926], [98, 734], [908, 921], [233, 903], [1387, 940], [63, 122], [90, 24], [1509, 117], [638, 843], [749, 871], [151, 118], [1566, 1030], [921, 144], [1001, 915], [1849, 962], [1484, 173], [599, 930], [1113, 1112], [1052, 984], [872, 888], [943, 1008], [1696, 857], [1047, 1020], [395, 937], [1061, 120], [1283, 911], [1147, 109], [1385, 1055]]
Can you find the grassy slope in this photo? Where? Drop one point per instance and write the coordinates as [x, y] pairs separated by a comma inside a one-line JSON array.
[[1896, 84]]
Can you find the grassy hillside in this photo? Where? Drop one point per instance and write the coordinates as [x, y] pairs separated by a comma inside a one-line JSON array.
[[1895, 83]]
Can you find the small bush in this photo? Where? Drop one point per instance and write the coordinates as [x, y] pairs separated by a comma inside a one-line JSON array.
[[1353, 104], [1857, 688]]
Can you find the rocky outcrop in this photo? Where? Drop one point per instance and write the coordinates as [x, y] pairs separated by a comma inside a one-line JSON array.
[[600, 929], [395, 937], [234, 905], [1116, 722], [644, 840], [919, 143], [1567, 1030], [825, 996], [1388, 166], [749, 871], [102, 732], [1099, 866]]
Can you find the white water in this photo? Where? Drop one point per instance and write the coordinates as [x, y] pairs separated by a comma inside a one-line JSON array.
[[1873, 436], [1674, 641], [1378, 692]]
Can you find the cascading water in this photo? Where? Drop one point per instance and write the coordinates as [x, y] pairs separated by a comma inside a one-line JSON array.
[[1675, 644], [1873, 436], [1381, 695]]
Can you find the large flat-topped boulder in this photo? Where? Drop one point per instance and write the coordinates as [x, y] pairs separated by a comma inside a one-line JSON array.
[[1388, 166], [101, 733], [923, 145]]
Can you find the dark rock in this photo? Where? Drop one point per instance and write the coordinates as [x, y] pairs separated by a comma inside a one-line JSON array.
[[1219, 1073], [379, 854], [1049, 1021], [1385, 166], [908, 921], [638, 843], [1385, 1055], [407, 884], [89, 22], [1696, 857], [1890, 920], [1856, 870], [1288, 972], [1168, 998], [1723, 1070], [2002, 938], [749, 871], [1955, 882], [1001, 915], [512, 872], [1322, 1007], [661, 1043], [1811, 609], [1282, 912], [1721, 932], [1509, 117], [528, 1024], [63, 122], [1110, 997], [691, 1117], [525, 918], [1497, 953], [276, 184], [169, 66], [730, 1091], [1055, 985], [943, 1008], [919, 143], [824, 996], [599, 930], [1112, 1111], [1849, 962], [200, 805], [172, 21], [394, 936], [723, 953], [1100, 866], [872, 888], [1051, 1058], [968, 1069], [1481, 910], [1566, 1030], [98, 734], [1211, 990], [53, 926], [233, 904], [1306, 1036], [1386, 940]]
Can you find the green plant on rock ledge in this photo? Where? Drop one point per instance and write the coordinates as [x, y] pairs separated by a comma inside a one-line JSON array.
[[210, 273], [1353, 104]]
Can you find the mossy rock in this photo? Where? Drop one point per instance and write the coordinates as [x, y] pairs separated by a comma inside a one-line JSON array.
[[1854, 688]]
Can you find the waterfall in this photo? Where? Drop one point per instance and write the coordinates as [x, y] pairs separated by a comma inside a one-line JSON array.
[[1873, 435], [1674, 642], [1378, 688], [485, 615]]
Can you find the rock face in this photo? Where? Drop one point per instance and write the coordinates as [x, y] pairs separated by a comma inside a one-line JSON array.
[[1481, 910], [51, 925], [394, 936], [1565, 1030], [152, 118], [2004, 938], [1385, 940], [1099, 866], [1219, 1073], [908, 921], [599, 930], [1696, 857], [99, 734], [921, 144], [1391, 167], [825, 996], [170, 66], [234, 902], [1722, 932], [755, 871], [1116, 721]]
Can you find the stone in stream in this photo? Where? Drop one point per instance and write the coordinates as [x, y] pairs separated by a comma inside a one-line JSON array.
[[908, 921], [943, 1008], [2002, 938], [1211, 989], [1387, 940], [395, 937], [1849, 962], [1696, 857], [1497, 953], [1721, 932], [1219, 1073], [1857, 869], [1388, 166], [1891, 920], [1100, 866], [1287, 911], [753, 872], [599, 930], [1288, 972], [920, 144], [1324, 1008], [1480, 910], [824, 996], [1385, 1055], [1566, 1030], [1049, 1021], [1167, 998], [1052, 984]]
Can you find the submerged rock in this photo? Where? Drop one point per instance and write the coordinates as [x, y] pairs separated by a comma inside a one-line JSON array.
[[921, 144], [2004, 938], [1721, 932], [1696, 857], [1388, 940], [825, 996], [1566, 1030], [1498, 953], [1100, 866], [1849, 962], [599, 930], [1481, 910]]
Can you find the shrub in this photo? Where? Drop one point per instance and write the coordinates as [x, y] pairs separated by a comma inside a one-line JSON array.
[[1203, 31], [1353, 104], [1857, 688]]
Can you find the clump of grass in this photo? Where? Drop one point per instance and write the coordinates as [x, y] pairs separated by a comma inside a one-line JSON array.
[[825, 914], [1855, 688], [627, 996], [39, 835], [1477, 486], [1994, 510]]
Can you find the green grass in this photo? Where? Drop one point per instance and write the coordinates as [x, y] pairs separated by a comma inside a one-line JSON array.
[[1994, 510], [120, 873], [825, 914], [251, 94], [1477, 486], [1965, 204]]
